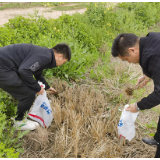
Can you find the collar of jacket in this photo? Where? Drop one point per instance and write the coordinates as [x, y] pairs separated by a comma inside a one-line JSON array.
[[53, 62], [142, 42]]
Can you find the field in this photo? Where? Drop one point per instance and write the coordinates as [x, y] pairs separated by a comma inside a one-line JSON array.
[[91, 86]]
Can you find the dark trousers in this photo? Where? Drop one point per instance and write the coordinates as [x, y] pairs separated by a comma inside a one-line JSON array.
[[11, 82], [157, 152], [157, 138]]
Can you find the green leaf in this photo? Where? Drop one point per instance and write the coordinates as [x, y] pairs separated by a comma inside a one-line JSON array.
[[151, 134], [23, 133], [66, 75], [18, 145], [20, 150]]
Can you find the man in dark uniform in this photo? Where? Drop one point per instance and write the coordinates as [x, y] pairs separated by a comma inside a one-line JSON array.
[[146, 52], [18, 64]]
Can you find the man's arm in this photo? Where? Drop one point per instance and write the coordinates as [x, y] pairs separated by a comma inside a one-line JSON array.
[[35, 61], [150, 101], [39, 77], [143, 80], [27, 77], [154, 98]]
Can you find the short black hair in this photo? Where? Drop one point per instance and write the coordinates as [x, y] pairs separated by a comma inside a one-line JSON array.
[[122, 42], [64, 49]]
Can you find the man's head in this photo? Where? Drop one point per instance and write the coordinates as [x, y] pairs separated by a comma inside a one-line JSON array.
[[126, 47], [62, 53]]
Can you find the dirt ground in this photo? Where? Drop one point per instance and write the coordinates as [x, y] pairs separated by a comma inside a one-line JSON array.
[[68, 136], [45, 11]]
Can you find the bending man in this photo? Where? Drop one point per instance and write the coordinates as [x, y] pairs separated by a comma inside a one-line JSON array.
[[146, 52], [18, 64]]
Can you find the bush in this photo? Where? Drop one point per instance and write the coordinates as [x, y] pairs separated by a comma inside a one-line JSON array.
[[7, 152], [147, 12], [9, 138]]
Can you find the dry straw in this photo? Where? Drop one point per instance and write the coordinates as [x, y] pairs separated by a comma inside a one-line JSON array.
[[78, 128]]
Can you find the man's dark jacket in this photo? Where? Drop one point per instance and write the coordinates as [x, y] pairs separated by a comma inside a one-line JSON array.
[[150, 63], [27, 60]]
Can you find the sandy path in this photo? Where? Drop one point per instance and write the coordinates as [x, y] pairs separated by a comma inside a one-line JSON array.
[[47, 12], [7, 14]]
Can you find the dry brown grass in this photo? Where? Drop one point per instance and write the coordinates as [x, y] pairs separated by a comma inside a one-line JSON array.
[[79, 128], [83, 126], [85, 121]]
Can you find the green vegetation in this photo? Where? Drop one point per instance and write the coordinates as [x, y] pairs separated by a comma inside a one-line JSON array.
[[90, 37], [72, 6], [10, 139]]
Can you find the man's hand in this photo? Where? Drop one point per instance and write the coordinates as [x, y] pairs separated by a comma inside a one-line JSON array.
[[41, 91], [132, 108], [52, 90], [143, 80]]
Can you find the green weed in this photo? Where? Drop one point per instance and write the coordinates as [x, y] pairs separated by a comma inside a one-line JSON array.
[[77, 5]]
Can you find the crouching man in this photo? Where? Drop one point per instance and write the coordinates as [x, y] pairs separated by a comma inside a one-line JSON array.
[[18, 64]]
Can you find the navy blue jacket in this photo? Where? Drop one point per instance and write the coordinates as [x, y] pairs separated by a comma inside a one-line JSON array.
[[28, 60], [150, 63]]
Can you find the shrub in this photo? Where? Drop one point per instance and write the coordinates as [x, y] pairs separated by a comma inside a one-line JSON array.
[[9, 138], [147, 12]]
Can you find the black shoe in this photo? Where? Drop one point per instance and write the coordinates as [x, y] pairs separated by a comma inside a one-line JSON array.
[[150, 141]]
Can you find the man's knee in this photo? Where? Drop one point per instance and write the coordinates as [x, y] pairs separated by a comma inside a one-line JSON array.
[[28, 96], [31, 94]]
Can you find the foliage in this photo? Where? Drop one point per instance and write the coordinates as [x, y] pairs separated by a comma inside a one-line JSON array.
[[152, 124], [52, 4], [8, 104], [9, 140], [7, 152], [147, 12]]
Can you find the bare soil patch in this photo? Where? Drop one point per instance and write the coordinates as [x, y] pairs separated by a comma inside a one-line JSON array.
[[7, 14], [47, 12]]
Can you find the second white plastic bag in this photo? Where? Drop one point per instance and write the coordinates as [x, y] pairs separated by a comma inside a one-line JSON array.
[[126, 126]]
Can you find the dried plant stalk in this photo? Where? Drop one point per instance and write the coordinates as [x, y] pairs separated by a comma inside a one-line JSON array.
[[129, 90]]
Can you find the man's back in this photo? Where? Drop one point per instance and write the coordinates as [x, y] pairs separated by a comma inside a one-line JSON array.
[[12, 56]]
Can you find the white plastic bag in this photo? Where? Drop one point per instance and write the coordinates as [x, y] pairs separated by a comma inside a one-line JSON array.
[[126, 127], [41, 111]]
